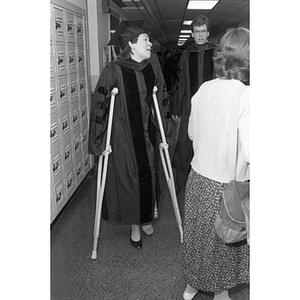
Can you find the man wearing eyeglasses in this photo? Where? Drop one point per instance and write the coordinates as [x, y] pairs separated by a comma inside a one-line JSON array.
[[196, 67]]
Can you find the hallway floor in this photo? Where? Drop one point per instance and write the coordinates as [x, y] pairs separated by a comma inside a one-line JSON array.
[[120, 272]]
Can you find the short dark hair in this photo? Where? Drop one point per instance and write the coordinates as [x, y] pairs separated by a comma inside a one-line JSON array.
[[130, 34], [232, 57], [199, 21]]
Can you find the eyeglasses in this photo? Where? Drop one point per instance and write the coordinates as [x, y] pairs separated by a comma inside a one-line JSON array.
[[200, 31]]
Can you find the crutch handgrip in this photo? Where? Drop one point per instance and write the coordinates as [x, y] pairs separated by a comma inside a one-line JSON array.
[[107, 151], [164, 146]]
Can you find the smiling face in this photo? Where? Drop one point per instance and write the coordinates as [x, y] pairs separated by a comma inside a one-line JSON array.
[[141, 50], [200, 34]]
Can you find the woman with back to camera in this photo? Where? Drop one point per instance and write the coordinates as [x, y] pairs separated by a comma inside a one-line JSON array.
[[210, 264]]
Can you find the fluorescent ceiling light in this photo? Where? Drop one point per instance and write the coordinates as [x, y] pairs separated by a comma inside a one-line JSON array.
[[132, 7], [209, 4], [187, 22], [184, 36], [186, 31]]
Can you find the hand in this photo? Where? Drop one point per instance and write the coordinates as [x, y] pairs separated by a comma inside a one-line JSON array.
[[164, 146], [175, 118]]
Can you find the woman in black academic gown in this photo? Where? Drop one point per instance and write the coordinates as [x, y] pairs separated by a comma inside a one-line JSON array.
[[132, 185]]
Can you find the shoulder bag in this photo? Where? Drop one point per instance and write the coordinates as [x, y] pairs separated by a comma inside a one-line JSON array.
[[232, 224]]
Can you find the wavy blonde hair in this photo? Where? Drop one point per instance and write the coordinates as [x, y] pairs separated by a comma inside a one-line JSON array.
[[232, 57]]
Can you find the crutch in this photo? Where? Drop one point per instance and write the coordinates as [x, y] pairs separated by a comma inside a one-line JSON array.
[[165, 158], [101, 177]]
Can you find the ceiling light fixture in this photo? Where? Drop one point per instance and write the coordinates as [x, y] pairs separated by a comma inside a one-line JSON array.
[[186, 31], [208, 4], [187, 22]]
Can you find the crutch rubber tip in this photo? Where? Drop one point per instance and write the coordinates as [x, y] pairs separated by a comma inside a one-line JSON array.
[[94, 255]]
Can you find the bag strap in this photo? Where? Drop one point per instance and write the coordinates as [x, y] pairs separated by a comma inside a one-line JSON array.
[[232, 151]]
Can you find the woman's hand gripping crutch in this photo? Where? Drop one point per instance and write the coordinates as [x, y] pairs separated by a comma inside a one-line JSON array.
[[102, 171], [165, 158]]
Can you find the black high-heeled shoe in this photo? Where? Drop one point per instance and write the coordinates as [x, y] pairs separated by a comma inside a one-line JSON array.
[[136, 244]]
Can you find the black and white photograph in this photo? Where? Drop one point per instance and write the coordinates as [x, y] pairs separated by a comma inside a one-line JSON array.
[[147, 170], [133, 212]]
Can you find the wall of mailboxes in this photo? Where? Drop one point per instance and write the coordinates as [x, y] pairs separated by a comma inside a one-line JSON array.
[[69, 102]]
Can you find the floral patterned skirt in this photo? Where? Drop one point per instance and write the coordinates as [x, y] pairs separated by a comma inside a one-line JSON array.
[[209, 264]]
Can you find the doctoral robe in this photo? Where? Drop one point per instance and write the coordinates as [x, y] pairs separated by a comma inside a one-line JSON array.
[[132, 184], [196, 67]]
